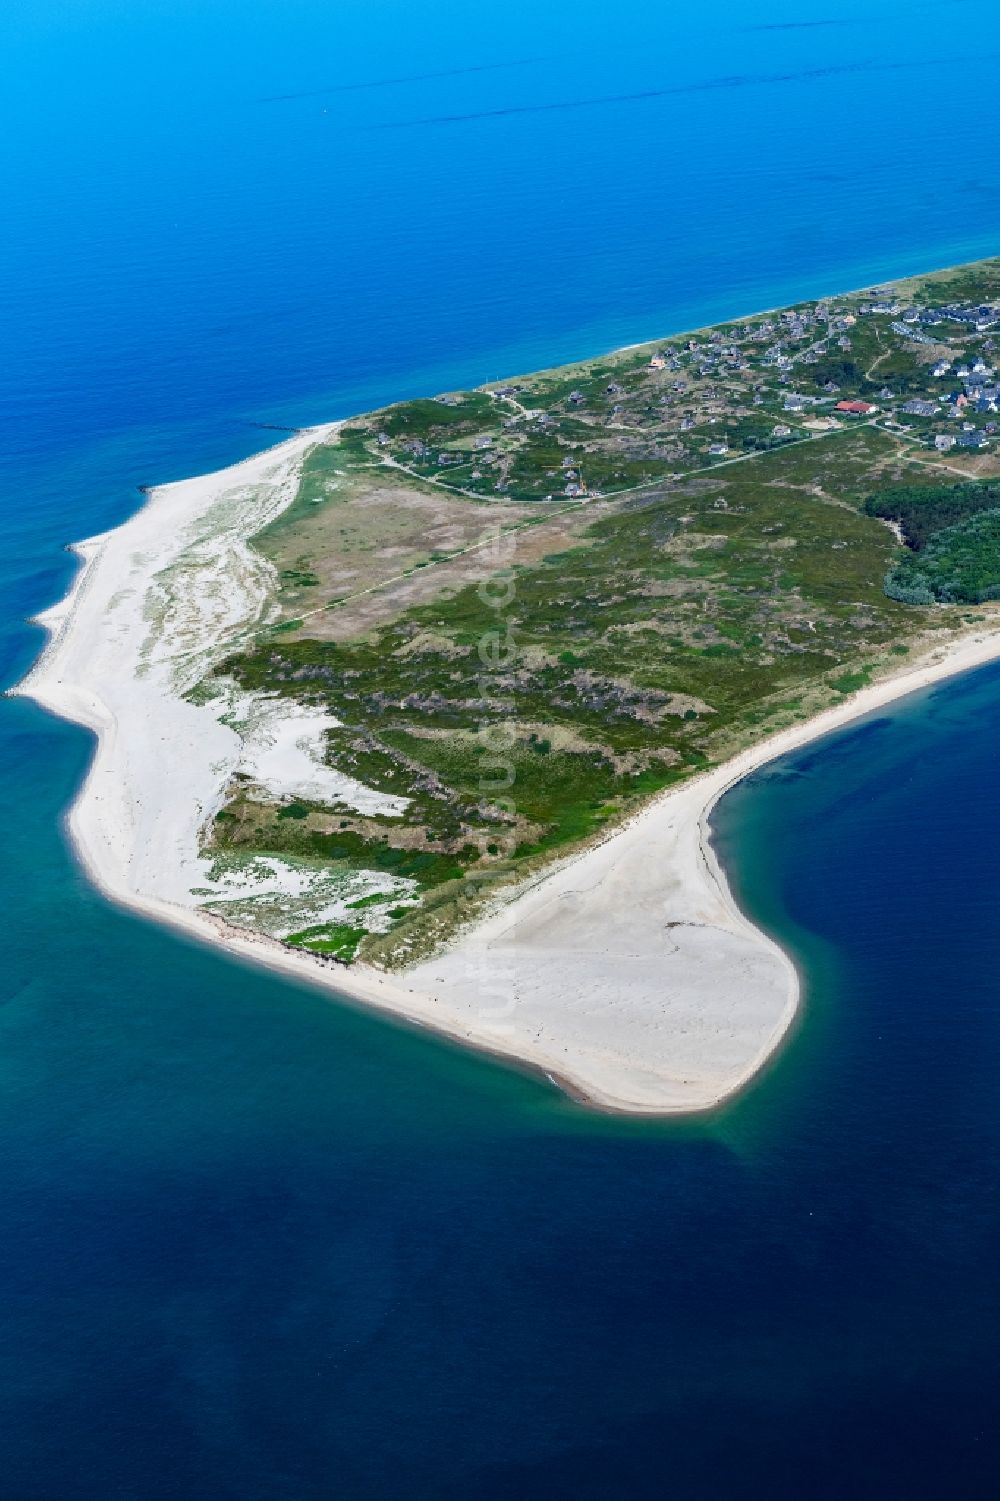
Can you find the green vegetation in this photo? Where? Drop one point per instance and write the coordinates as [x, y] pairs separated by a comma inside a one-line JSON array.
[[376, 899], [923, 510], [252, 827], [294, 810], [852, 682], [959, 565], [339, 940], [533, 606], [953, 533]]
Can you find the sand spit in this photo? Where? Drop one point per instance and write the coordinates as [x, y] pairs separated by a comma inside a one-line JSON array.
[[627, 973], [156, 602], [629, 970]]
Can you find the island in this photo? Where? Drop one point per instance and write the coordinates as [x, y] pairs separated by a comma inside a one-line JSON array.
[[433, 705]]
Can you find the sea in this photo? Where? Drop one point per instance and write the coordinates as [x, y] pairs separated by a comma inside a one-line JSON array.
[[259, 1246]]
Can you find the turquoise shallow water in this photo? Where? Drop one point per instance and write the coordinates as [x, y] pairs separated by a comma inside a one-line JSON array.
[[254, 1245]]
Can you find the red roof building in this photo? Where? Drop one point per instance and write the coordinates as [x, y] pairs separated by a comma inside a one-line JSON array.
[[856, 408]]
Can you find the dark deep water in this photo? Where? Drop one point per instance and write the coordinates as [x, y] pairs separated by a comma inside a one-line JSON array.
[[256, 1247]]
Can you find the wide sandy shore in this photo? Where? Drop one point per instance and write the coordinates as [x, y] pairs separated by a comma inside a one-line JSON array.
[[627, 973]]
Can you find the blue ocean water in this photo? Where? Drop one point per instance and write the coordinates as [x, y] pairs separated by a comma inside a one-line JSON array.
[[254, 1245]]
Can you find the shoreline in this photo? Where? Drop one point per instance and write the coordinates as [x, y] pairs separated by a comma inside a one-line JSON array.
[[767, 312], [388, 996], [668, 810], [626, 972]]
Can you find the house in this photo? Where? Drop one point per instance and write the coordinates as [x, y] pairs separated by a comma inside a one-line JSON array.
[[918, 408], [482, 442], [657, 362], [978, 318], [795, 403], [975, 439], [856, 408], [944, 441], [781, 430], [718, 448], [941, 368]]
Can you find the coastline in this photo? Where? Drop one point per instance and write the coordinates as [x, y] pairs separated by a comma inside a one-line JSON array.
[[764, 312], [626, 973], [621, 870]]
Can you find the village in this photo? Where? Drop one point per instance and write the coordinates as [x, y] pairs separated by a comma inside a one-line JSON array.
[[924, 371]]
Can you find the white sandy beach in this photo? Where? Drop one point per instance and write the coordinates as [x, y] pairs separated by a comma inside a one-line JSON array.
[[627, 972]]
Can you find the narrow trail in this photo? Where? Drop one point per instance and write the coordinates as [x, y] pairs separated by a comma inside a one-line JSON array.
[[913, 458], [869, 373]]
